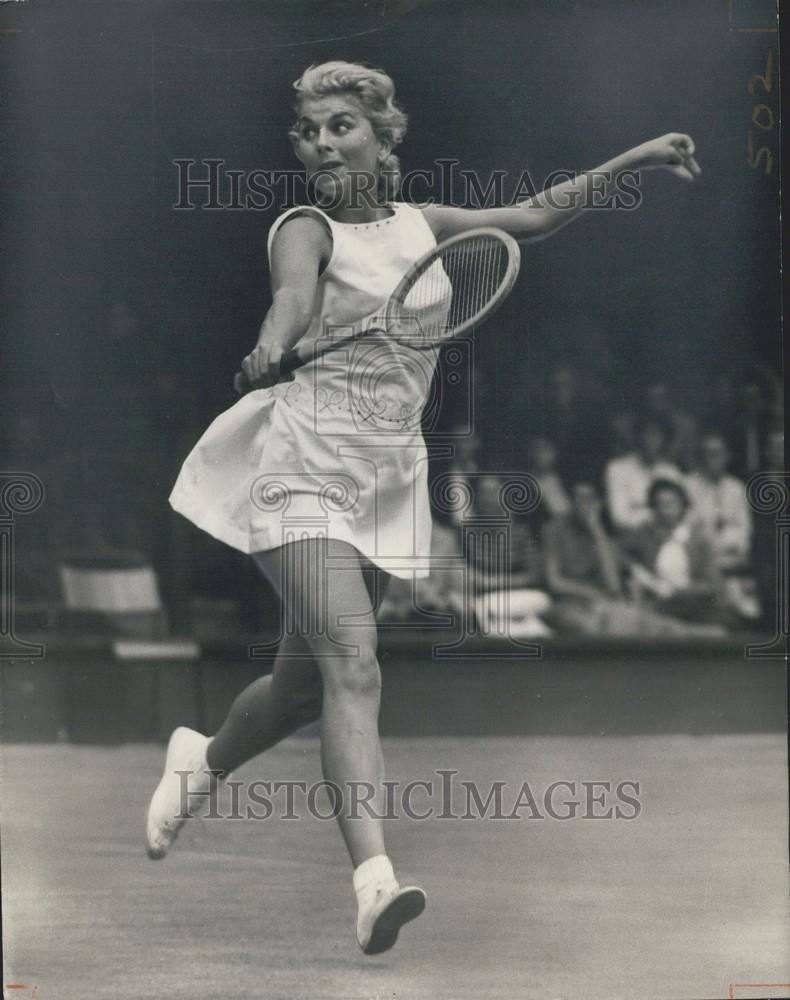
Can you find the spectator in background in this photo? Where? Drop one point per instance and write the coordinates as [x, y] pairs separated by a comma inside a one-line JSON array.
[[542, 465], [583, 566], [521, 564], [673, 568], [501, 580], [505, 578], [442, 591], [628, 478], [718, 501]]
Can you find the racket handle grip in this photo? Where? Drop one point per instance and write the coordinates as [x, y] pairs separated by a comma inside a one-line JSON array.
[[290, 361]]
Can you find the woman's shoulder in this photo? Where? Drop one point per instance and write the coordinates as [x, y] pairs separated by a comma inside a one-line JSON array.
[[313, 223], [309, 212]]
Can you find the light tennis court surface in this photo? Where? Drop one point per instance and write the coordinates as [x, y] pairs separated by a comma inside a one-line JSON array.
[[677, 903]]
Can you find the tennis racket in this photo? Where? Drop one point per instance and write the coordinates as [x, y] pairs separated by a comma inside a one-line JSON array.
[[450, 290]]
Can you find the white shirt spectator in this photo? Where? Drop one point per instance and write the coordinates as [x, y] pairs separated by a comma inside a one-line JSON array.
[[721, 505], [628, 480]]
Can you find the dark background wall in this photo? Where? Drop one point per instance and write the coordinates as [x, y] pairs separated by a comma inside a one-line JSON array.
[[99, 99]]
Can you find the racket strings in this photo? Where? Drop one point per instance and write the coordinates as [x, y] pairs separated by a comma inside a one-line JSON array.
[[455, 288]]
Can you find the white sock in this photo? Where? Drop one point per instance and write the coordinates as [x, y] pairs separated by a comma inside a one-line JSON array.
[[374, 872]]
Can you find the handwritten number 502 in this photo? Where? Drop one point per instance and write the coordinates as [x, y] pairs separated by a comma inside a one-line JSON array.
[[762, 116]]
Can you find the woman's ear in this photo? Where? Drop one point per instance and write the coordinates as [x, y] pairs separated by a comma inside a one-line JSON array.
[[385, 148]]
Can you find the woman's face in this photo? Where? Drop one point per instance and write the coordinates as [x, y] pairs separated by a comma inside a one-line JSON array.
[[338, 148], [668, 508]]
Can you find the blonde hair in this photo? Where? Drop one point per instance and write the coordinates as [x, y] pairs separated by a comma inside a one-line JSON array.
[[375, 91]]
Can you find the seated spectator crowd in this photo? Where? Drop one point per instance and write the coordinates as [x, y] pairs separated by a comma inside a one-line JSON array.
[[659, 540], [641, 524]]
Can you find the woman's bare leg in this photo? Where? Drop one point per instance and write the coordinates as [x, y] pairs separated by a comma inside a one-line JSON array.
[[275, 706], [266, 711], [326, 601], [329, 613], [269, 709]]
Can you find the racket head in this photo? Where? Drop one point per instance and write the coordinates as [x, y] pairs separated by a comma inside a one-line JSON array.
[[453, 288]]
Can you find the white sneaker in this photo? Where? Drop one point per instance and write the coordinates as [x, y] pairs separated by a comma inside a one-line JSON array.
[[168, 811], [382, 913]]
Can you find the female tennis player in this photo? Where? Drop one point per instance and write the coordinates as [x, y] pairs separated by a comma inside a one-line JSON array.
[[322, 478]]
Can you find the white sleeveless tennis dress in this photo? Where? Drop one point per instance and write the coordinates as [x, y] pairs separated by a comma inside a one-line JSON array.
[[338, 452]]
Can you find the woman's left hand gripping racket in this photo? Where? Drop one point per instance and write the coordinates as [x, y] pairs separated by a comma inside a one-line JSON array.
[[450, 290]]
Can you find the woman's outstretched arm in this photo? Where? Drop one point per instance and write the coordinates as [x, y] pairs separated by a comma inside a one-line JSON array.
[[545, 213]]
